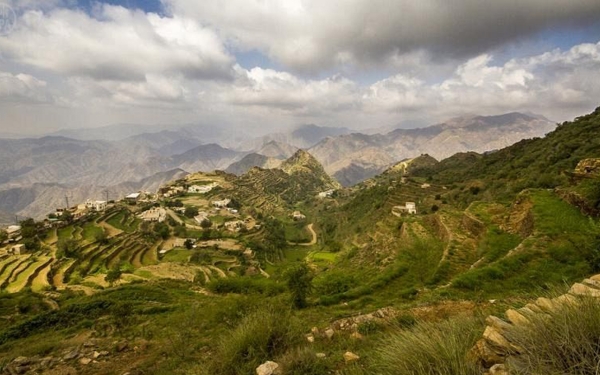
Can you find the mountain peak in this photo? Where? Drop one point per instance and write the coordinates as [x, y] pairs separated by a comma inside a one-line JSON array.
[[303, 162]]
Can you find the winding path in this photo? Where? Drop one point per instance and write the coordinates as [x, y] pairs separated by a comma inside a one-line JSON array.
[[312, 242]]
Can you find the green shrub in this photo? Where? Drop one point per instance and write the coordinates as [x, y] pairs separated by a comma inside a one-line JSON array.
[[334, 283], [303, 361], [431, 348], [262, 335], [245, 285]]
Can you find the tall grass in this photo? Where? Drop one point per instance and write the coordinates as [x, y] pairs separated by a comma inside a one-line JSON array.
[[431, 348], [262, 335], [564, 341]]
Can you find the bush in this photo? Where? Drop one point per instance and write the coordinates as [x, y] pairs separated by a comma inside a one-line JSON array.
[[564, 341], [334, 283], [431, 348], [303, 361], [245, 285], [262, 335]]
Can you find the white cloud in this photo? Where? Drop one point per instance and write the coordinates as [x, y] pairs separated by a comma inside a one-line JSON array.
[[23, 88], [117, 44], [284, 91], [118, 65]]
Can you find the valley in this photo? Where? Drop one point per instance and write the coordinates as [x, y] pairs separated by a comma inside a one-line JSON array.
[[218, 273]]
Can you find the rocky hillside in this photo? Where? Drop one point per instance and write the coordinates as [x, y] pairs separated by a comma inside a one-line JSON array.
[[298, 178], [352, 158]]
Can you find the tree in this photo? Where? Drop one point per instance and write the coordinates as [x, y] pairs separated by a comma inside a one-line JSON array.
[[190, 212], [299, 282], [3, 236], [68, 248], [205, 224], [28, 228], [101, 237], [66, 216], [189, 244], [32, 244], [162, 230], [113, 275]]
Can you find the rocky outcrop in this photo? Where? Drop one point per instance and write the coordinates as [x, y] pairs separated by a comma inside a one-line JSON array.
[[521, 219], [495, 349], [473, 225], [588, 167]]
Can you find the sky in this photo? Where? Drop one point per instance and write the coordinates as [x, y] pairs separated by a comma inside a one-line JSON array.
[[266, 65]]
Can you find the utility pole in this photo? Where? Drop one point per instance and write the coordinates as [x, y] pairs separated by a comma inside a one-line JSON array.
[[106, 196], [67, 200]]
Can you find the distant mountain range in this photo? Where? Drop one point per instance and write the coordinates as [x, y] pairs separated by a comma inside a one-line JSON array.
[[37, 174]]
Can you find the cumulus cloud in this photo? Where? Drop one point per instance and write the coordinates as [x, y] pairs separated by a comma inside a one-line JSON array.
[[260, 87], [116, 44], [310, 35], [23, 88], [354, 63], [559, 83]]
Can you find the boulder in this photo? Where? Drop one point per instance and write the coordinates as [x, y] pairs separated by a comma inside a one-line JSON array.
[[350, 357], [268, 368], [329, 333]]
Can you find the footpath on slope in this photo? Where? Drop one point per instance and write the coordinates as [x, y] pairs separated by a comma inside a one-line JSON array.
[[312, 242]]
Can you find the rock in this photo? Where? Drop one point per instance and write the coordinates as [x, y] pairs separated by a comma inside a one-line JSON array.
[[71, 355], [47, 362], [583, 290], [85, 361], [545, 304], [566, 299], [314, 331], [329, 333], [100, 354], [497, 323], [21, 361], [88, 344], [483, 353], [592, 283], [321, 355], [535, 308], [310, 338], [516, 317], [268, 368], [495, 339], [121, 346], [498, 369], [350, 357], [356, 336], [19, 369]]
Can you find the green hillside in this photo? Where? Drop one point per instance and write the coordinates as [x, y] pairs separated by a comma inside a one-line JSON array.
[[261, 268]]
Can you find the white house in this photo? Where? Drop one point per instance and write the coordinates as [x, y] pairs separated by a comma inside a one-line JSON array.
[[326, 194], [201, 189], [409, 208], [95, 205], [133, 197], [155, 214], [297, 215], [18, 249], [13, 231], [234, 226], [222, 203]]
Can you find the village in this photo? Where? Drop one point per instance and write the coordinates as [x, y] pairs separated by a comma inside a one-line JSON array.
[[192, 228]]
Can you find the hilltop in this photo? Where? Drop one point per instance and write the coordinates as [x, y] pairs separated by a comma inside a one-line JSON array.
[[208, 273]]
